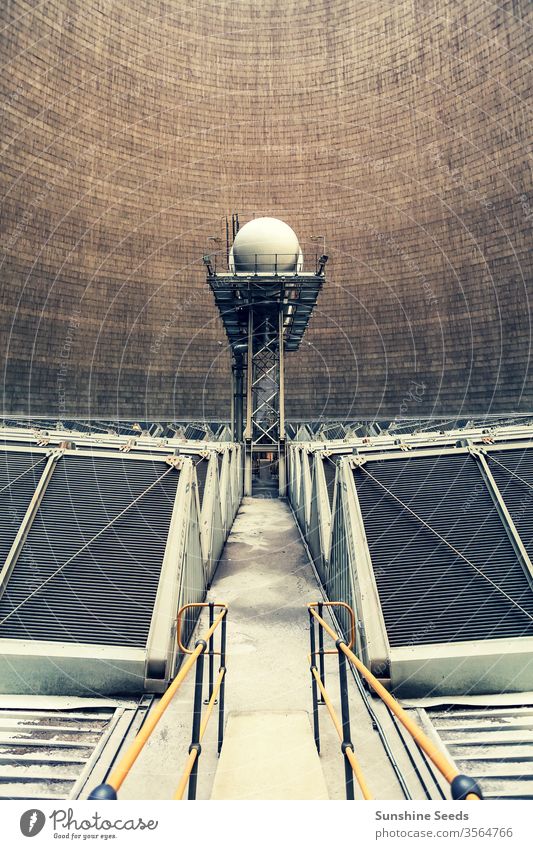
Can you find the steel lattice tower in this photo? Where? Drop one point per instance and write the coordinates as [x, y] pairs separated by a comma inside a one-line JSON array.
[[265, 315]]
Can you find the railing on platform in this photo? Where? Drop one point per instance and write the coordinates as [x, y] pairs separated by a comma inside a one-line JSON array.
[[462, 787], [195, 656]]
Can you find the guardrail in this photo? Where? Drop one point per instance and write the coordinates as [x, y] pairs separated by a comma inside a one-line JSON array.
[[462, 787], [203, 646]]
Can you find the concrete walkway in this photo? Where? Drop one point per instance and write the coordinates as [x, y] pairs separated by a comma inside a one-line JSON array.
[[265, 578], [269, 755]]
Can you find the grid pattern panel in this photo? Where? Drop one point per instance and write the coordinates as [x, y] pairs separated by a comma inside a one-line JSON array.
[[427, 592], [15, 495], [105, 595]]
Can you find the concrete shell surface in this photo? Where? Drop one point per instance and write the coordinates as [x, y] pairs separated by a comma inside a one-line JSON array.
[[265, 245], [396, 133]]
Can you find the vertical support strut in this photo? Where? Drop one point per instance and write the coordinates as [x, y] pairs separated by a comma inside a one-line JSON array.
[[346, 734], [211, 652], [237, 398], [196, 721], [222, 692], [321, 656], [281, 435], [249, 406], [314, 688], [267, 299], [233, 397]]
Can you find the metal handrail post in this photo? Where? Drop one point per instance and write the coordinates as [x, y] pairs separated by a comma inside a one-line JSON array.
[[321, 658], [211, 651], [222, 686], [196, 720], [462, 787], [316, 720], [346, 732]]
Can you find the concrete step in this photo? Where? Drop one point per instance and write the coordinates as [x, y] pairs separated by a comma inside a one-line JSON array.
[[269, 755]]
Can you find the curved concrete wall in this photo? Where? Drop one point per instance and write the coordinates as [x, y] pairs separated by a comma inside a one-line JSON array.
[[396, 130]]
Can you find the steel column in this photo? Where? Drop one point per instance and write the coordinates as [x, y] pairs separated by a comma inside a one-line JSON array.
[[314, 688], [238, 399], [281, 435], [249, 405]]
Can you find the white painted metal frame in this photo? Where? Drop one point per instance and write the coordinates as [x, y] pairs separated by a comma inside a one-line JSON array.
[[348, 575], [212, 527], [28, 666], [320, 518], [182, 580]]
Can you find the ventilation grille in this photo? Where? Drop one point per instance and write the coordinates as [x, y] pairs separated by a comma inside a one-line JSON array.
[[329, 473], [46, 754], [491, 745], [195, 432], [105, 595], [15, 498], [428, 594], [334, 432], [201, 474], [517, 496]]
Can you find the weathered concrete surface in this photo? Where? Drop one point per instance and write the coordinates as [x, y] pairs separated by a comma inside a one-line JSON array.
[[269, 755], [398, 130], [265, 578]]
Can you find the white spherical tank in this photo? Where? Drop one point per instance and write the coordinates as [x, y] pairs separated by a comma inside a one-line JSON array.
[[266, 246]]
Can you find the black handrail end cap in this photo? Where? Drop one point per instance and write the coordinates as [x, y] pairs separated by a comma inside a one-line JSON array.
[[462, 785], [103, 791]]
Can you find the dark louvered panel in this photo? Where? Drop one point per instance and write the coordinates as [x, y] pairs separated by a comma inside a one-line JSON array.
[[330, 470], [517, 495], [15, 495], [106, 593], [201, 474], [334, 432], [429, 594], [193, 431]]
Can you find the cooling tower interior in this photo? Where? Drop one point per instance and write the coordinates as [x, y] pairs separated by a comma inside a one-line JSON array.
[[392, 136]]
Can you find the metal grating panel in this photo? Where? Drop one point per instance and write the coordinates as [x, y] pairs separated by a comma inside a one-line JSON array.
[[492, 745], [330, 470], [201, 474], [429, 594], [15, 498], [106, 594], [195, 432], [517, 496], [46, 754]]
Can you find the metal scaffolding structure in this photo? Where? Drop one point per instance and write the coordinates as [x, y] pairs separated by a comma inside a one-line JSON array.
[[265, 315]]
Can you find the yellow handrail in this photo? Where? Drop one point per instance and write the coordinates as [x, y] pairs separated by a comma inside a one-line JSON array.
[[183, 610], [345, 607], [120, 772], [354, 763], [123, 767], [445, 767], [191, 760]]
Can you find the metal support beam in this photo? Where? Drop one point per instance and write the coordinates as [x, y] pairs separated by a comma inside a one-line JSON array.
[[282, 480], [503, 512], [233, 394], [372, 639], [249, 406], [272, 311], [237, 407], [27, 521]]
